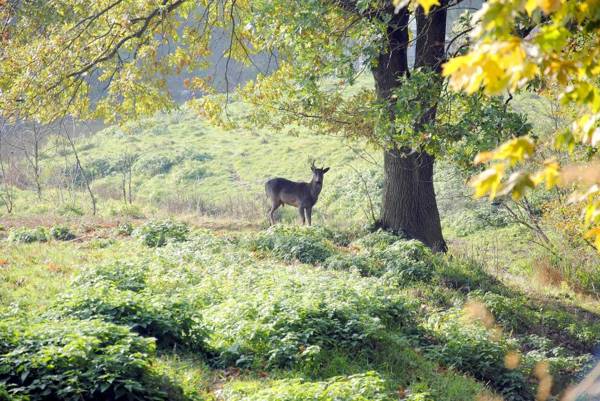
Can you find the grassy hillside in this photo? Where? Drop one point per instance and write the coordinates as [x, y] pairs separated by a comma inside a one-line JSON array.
[[183, 165], [283, 314], [214, 306]]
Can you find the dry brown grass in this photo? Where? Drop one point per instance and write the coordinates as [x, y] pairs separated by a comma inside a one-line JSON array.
[[546, 273]]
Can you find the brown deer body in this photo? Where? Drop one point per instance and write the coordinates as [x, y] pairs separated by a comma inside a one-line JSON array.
[[302, 195]]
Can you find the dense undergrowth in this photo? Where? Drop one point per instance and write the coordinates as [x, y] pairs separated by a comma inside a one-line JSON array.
[[289, 313]]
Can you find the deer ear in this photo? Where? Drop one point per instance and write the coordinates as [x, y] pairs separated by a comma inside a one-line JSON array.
[[325, 170]]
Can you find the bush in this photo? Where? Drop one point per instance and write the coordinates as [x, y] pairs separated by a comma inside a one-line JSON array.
[[158, 233], [125, 229], [192, 171], [70, 210], [76, 360], [172, 319], [61, 233], [362, 387], [473, 349], [125, 210], [152, 164], [306, 245], [282, 316], [366, 265], [377, 240], [99, 168], [28, 235], [406, 261], [122, 275]]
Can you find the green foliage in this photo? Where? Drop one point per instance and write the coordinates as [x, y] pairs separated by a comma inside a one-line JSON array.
[[406, 261], [28, 235], [377, 240], [70, 210], [61, 233], [100, 167], [364, 264], [192, 171], [125, 229], [472, 348], [158, 233], [76, 359], [369, 386], [127, 210], [172, 320], [465, 274], [153, 164], [279, 315], [304, 244], [122, 275]]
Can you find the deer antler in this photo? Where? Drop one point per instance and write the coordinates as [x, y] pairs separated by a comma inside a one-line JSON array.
[[312, 165]]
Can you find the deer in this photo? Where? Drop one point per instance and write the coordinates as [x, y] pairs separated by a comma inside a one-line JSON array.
[[302, 195]]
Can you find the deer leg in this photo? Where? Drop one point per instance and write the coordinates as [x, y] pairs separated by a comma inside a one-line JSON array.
[[308, 214], [274, 207], [301, 211]]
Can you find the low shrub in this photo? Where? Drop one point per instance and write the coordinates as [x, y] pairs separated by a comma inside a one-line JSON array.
[[70, 210], [406, 261], [377, 240], [191, 171], [282, 316], [306, 245], [158, 233], [61, 233], [127, 210], [121, 275], [152, 164], [101, 243], [28, 235], [76, 360], [362, 387], [385, 255], [124, 229], [366, 265], [172, 320], [512, 312], [473, 349]]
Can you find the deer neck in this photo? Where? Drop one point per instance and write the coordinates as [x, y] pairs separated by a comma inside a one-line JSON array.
[[315, 189]]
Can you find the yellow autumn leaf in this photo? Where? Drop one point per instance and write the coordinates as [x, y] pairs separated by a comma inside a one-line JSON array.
[[530, 6], [488, 181], [427, 4], [483, 157], [515, 150], [549, 174], [549, 6], [517, 184], [592, 213], [594, 233]]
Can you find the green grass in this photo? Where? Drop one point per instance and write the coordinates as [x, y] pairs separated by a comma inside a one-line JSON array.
[[244, 313], [276, 328], [184, 165]]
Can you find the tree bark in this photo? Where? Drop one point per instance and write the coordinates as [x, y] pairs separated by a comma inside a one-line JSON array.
[[409, 203]]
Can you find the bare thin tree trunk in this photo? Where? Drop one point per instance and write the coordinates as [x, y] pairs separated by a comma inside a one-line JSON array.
[[83, 174], [7, 195]]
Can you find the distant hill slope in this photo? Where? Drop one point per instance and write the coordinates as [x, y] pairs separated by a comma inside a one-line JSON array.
[[184, 164]]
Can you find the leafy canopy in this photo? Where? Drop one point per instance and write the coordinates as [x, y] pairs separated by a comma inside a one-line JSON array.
[[563, 53]]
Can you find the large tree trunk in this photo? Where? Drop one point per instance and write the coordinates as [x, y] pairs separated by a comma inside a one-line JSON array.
[[409, 203]]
